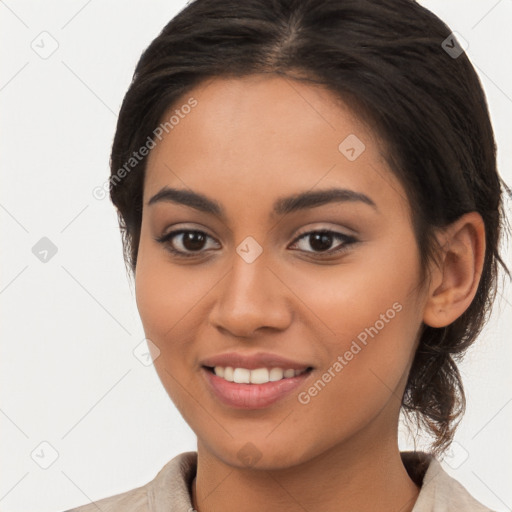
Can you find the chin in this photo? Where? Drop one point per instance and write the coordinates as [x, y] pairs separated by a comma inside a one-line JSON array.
[[259, 453]]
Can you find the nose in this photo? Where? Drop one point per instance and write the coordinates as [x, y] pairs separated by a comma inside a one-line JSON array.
[[251, 297]]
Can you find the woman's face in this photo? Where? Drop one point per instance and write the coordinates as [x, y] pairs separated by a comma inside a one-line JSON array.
[[259, 283]]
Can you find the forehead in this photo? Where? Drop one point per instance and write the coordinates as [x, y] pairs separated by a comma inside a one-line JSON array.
[[259, 134]]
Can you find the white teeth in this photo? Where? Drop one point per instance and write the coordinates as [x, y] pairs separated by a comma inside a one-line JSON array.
[[257, 376], [276, 374], [242, 376], [228, 373]]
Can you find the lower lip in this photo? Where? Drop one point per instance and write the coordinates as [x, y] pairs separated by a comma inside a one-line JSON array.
[[252, 396]]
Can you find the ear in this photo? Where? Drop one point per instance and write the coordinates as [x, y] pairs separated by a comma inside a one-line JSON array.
[[455, 279]]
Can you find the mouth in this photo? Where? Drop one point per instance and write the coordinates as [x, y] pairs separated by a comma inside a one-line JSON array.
[[256, 376], [257, 388]]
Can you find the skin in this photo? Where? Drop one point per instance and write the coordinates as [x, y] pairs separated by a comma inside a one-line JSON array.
[[248, 142]]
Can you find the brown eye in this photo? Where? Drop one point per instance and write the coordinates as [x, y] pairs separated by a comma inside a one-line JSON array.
[[185, 242], [193, 240], [321, 242]]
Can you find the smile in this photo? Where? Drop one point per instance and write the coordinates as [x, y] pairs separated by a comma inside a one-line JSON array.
[[242, 388], [257, 376]]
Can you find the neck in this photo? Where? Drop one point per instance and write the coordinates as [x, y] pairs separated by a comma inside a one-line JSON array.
[[365, 477]]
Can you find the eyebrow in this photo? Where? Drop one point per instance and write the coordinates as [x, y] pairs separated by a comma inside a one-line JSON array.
[[282, 206]]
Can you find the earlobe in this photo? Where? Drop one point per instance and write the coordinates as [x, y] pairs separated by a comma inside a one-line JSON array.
[[457, 277]]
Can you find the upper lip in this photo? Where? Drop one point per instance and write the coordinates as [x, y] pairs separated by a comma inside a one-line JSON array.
[[253, 361]]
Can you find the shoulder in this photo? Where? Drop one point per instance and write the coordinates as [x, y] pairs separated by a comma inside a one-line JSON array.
[[169, 489], [134, 500], [439, 492]]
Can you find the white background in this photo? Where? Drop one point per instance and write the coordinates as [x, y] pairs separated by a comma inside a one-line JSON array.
[[69, 326]]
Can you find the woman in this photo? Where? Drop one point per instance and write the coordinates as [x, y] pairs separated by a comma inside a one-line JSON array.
[[309, 202]]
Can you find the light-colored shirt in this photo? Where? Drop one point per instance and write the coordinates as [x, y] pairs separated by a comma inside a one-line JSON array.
[[170, 490]]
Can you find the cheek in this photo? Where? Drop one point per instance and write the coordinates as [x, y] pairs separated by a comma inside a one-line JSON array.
[[363, 371], [368, 316], [367, 339], [165, 300], [169, 302], [169, 296], [370, 292], [173, 301]]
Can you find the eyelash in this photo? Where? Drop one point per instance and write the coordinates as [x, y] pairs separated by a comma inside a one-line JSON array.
[[347, 239]]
